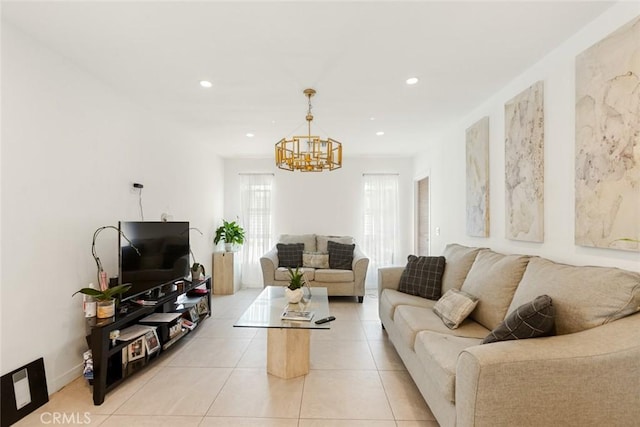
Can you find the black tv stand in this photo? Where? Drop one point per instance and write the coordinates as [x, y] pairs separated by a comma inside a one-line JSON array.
[[108, 370]]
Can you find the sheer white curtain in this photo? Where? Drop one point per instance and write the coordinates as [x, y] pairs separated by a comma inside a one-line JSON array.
[[256, 194], [380, 222]]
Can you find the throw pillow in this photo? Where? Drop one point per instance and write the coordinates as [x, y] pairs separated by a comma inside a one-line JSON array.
[[290, 255], [423, 276], [315, 260], [454, 307], [340, 255], [323, 240], [530, 320]]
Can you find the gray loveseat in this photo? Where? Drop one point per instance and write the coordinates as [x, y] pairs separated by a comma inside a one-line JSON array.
[[339, 282], [586, 375]]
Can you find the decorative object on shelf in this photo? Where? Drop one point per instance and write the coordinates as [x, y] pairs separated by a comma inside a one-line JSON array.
[[102, 275], [308, 153], [105, 299], [197, 270], [294, 291], [607, 175], [231, 234], [524, 164]]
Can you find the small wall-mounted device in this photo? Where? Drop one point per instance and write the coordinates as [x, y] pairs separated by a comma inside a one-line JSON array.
[[137, 185]]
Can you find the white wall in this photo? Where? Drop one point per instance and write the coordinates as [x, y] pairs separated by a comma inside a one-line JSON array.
[[71, 147], [326, 202], [445, 159]]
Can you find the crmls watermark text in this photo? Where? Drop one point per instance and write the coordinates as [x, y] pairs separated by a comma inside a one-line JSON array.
[[65, 418]]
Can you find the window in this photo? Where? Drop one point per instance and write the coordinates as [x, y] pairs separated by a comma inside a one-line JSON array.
[[380, 222], [256, 192]]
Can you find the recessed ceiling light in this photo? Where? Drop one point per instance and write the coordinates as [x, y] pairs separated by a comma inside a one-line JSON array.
[[372, 118], [412, 80], [250, 135], [379, 133], [206, 83]]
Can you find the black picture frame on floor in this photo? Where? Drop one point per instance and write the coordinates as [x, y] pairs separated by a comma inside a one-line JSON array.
[[39, 394]]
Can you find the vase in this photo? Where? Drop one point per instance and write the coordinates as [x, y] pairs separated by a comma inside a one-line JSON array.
[[293, 296], [106, 309], [228, 247]]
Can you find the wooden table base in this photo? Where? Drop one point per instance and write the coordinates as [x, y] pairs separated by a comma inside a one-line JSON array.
[[288, 352]]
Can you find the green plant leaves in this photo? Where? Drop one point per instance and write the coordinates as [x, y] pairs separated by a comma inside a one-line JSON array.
[[229, 232]]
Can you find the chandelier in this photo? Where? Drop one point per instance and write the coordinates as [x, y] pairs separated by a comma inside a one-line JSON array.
[[308, 153]]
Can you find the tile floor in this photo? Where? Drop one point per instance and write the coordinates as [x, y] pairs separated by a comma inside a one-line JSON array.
[[217, 376]]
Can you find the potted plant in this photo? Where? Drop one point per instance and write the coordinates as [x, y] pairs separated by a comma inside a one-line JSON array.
[[197, 270], [105, 299], [230, 233], [293, 291]]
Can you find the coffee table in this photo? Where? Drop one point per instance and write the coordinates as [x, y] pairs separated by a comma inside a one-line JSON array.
[[288, 341]]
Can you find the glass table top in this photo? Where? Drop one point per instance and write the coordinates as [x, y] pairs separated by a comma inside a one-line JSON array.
[[266, 310]]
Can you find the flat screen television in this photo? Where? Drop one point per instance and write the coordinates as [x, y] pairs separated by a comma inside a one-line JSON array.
[[163, 258]]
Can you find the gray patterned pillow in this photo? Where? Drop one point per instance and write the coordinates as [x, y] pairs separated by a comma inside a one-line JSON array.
[[454, 307], [530, 320], [340, 255], [290, 255], [423, 276], [315, 259]]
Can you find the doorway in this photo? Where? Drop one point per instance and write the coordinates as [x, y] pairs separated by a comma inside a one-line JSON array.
[[422, 215]]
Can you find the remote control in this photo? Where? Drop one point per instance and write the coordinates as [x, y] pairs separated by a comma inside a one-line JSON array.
[[325, 320]]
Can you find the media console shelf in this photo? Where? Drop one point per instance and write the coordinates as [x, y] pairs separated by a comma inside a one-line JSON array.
[[108, 369]]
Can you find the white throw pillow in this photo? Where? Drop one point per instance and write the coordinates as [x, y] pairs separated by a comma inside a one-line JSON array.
[[315, 260], [454, 306]]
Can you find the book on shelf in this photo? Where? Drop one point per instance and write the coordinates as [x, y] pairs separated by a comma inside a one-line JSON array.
[[160, 318], [297, 315]]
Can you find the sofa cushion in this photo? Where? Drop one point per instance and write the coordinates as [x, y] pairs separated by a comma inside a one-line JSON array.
[[409, 320], [583, 297], [315, 260], [340, 255], [333, 276], [309, 240], [530, 320], [391, 298], [422, 276], [459, 261], [438, 353], [322, 241], [493, 279], [282, 273], [454, 307], [290, 255]]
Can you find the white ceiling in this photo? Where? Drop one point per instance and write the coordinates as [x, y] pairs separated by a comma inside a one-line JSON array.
[[260, 56]]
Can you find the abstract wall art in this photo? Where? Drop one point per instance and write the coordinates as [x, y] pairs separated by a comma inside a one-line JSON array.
[[607, 206], [477, 156], [524, 165]]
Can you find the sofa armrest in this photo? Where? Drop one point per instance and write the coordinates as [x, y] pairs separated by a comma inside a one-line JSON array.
[[586, 378], [359, 266], [389, 278], [269, 263]]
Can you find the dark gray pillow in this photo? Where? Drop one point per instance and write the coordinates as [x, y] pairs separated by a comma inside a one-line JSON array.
[[340, 255], [290, 255], [530, 320], [423, 276]]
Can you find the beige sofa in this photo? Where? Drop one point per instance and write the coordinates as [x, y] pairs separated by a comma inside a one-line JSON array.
[[337, 282], [586, 375]]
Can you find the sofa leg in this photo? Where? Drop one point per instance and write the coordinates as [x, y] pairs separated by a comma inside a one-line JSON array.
[[360, 299]]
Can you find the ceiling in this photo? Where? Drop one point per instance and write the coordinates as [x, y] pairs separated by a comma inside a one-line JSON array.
[[260, 56]]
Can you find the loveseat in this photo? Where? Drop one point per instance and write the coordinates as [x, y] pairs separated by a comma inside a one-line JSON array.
[[586, 374], [345, 281]]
